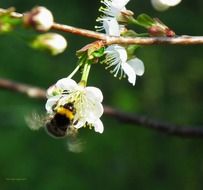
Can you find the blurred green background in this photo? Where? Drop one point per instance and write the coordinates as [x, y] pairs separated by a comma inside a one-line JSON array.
[[124, 156]]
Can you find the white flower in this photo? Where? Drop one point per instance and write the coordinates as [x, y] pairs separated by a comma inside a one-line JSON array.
[[86, 100], [39, 17], [111, 12], [162, 5], [52, 42], [113, 7], [116, 56], [110, 25]]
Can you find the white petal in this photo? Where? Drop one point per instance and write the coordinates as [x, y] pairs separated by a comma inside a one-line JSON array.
[[137, 65], [111, 26], [129, 71], [94, 93], [122, 53], [98, 126], [119, 4], [66, 84], [51, 102], [93, 111], [119, 50], [80, 123], [50, 91]]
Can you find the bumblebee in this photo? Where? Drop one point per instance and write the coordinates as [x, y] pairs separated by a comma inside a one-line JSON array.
[[59, 124]]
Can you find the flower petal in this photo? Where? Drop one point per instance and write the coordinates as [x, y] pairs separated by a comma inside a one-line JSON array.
[[111, 26], [93, 111], [137, 65], [114, 7], [119, 51], [119, 4], [66, 84], [129, 71], [51, 102], [98, 126], [94, 93], [79, 123], [50, 91]]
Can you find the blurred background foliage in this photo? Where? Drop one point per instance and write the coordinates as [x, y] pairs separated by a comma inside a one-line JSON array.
[[124, 156]]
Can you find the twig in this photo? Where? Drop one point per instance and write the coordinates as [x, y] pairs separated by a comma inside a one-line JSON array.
[[163, 127], [31, 91], [181, 40], [142, 121], [108, 40], [79, 31]]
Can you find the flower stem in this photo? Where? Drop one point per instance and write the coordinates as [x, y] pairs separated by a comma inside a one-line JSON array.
[[85, 74], [74, 71]]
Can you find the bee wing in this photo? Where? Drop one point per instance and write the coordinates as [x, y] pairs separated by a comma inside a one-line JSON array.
[[74, 144], [35, 121]]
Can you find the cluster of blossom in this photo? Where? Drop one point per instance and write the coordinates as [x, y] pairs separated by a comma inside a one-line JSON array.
[[116, 55], [87, 101]]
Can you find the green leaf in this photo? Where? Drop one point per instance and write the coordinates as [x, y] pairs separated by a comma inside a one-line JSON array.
[[8, 23], [145, 20], [98, 53]]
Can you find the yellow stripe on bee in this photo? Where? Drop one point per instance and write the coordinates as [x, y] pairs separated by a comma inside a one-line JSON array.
[[63, 111]]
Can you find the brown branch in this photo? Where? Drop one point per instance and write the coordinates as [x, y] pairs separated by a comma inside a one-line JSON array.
[[142, 121], [181, 40], [31, 91], [163, 127], [108, 40], [79, 31]]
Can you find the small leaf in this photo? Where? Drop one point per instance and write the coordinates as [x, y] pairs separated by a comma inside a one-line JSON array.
[[7, 22], [145, 20], [98, 53]]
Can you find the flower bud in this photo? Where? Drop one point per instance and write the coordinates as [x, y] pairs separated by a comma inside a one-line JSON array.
[[125, 16], [40, 18], [158, 31], [52, 42], [158, 28], [162, 5]]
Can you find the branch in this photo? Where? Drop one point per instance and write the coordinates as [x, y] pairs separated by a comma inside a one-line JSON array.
[[142, 121], [108, 40], [31, 91], [181, 40], [163, 127]]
